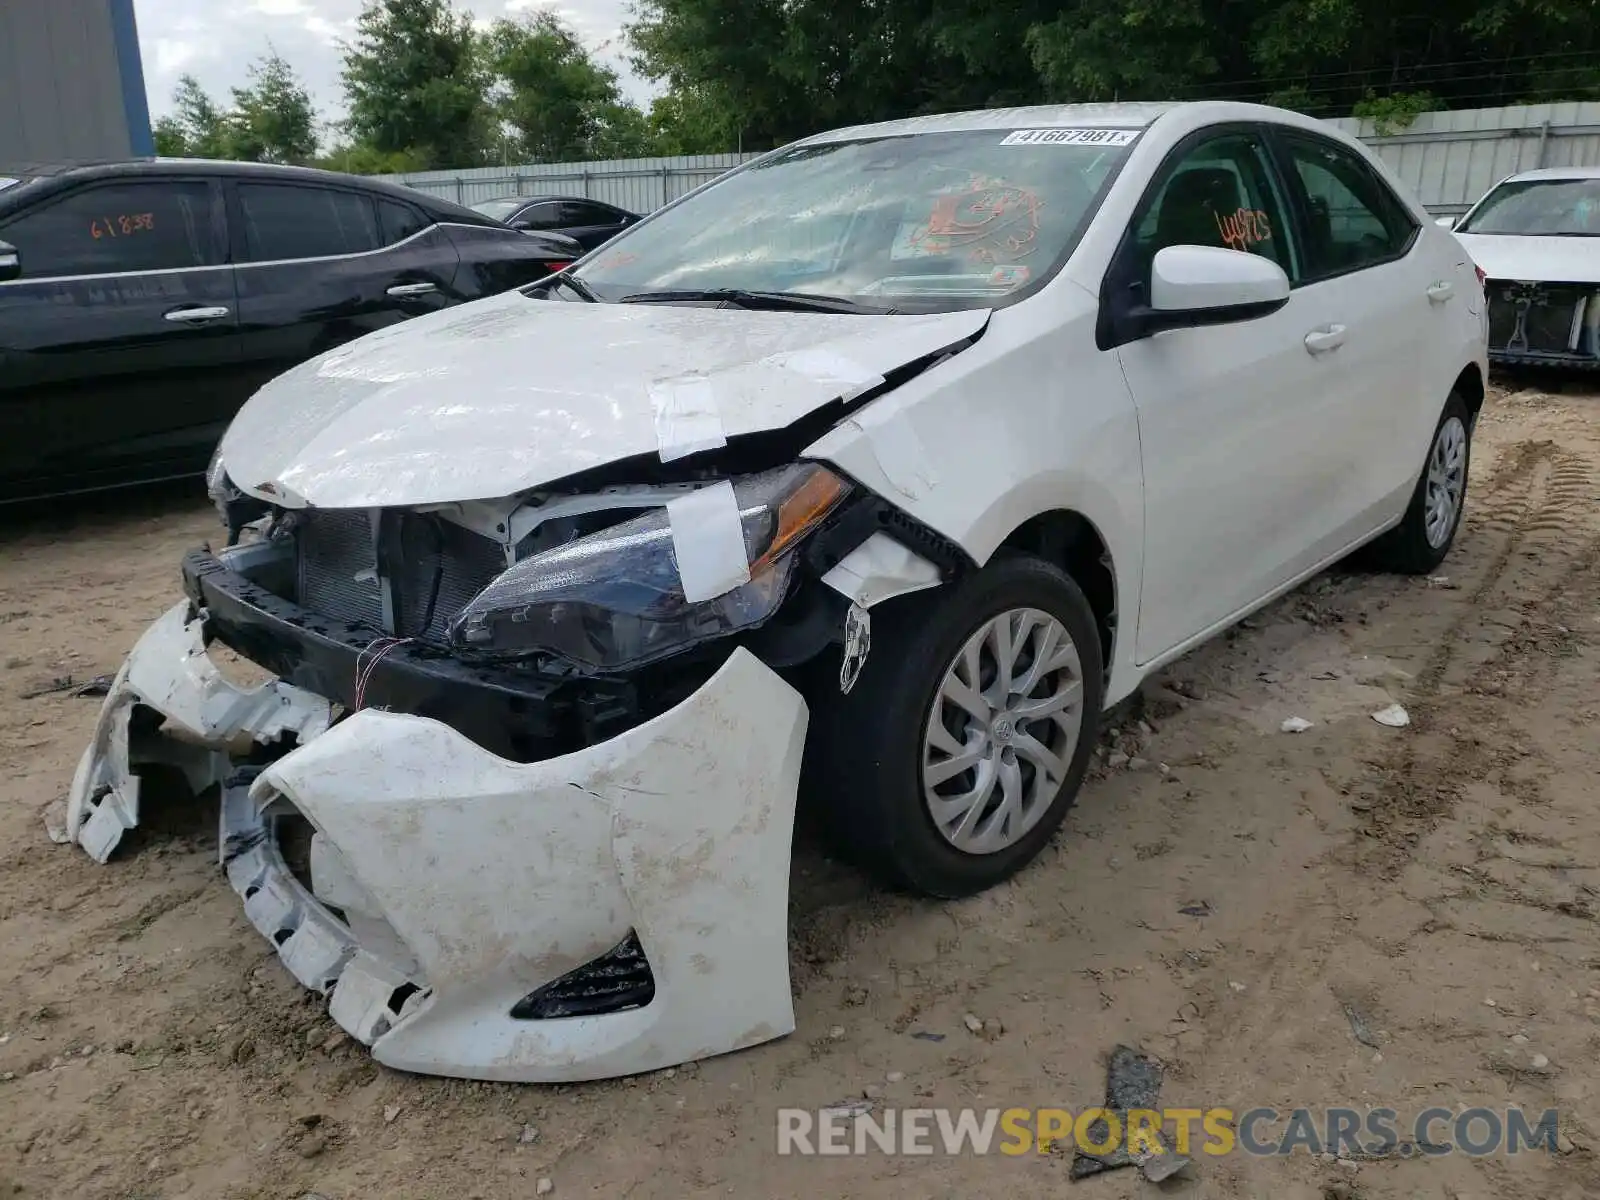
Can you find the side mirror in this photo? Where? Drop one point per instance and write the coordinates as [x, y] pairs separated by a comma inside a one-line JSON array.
[[1208, 285], [1445, 222], [10, 262]]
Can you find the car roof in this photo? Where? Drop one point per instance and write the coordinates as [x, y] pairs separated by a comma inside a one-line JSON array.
[[540, 198], [1554, 173], [1131, 115], [74, 171]]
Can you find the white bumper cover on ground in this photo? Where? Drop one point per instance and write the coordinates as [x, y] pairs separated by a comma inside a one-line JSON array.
[[465, 882]]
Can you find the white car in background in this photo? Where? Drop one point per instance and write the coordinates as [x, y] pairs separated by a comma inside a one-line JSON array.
[[895, 456], [1536, 237]]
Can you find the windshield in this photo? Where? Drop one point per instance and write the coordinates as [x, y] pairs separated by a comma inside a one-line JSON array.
[[499, 209], [1547, 207], [925, 223]]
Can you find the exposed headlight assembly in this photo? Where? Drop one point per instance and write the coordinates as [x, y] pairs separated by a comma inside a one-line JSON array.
[[218, 486], [615, 600]]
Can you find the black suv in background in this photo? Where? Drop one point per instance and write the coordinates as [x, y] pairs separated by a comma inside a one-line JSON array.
[[141, 303]]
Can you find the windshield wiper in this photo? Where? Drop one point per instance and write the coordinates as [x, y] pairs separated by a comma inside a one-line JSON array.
[[745, 298], [576, 285]]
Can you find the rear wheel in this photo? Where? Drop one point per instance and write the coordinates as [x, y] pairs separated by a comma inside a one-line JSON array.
[[964, 742], [1425, 534]]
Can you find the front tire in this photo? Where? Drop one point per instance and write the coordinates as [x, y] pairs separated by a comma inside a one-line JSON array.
[[965, 740], [1425, 534]]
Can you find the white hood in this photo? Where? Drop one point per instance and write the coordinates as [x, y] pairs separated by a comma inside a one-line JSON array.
[[499, 396], [1535, 259]]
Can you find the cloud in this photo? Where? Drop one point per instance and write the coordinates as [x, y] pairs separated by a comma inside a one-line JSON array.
[[217, 42]]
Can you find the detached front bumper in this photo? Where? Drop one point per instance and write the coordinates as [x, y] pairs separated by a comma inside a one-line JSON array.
[[616, 909]]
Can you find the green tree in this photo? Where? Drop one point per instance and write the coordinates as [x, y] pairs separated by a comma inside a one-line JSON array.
[[693, 121], [416, 85], [777, 69], [273, 119], [196, 128], [558, 103]]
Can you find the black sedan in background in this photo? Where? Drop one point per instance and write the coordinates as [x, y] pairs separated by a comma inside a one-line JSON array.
[[587, 222], [141, 303]]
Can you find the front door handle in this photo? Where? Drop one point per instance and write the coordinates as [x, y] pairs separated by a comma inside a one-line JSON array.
[[1441, 291], [197, 316], [401, 290], [1321, 341]]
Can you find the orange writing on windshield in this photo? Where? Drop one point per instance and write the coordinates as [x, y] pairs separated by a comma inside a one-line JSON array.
[[122, 225], [1244, 228], [989, 220]]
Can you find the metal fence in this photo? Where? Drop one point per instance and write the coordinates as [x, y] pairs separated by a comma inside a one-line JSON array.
[[636, 184], [1448, 158]]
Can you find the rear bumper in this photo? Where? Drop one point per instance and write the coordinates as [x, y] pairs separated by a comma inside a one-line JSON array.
[[447, 883]]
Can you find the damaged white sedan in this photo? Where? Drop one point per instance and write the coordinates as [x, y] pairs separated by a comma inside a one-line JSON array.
[[1536, 238], [890, 460]]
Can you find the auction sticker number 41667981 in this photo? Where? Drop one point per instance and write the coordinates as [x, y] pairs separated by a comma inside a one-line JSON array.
[[1069, 137]]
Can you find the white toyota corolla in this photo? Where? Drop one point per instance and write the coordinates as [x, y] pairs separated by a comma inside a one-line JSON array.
[[889, 460]]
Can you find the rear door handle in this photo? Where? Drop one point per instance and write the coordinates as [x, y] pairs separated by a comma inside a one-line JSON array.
[[1321, 341], [197, 316], [401, 290], [1441, 291]]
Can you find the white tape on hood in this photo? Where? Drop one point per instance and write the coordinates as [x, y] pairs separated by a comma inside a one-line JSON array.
[[708, 542], [829, 366], [687, 420]]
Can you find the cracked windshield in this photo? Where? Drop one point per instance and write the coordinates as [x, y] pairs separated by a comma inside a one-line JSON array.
[[933, 222]]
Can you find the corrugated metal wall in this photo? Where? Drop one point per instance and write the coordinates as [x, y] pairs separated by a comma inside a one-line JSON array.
[[636, 184], [71, 85], [1449, 158], [1452, 158]]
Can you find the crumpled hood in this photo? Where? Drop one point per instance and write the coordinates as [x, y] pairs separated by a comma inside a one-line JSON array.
[[1537, 259], [492, 398]]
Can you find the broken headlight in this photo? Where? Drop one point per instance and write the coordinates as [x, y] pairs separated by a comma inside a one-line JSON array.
[[218, 486], [615, 599], [234, 507]]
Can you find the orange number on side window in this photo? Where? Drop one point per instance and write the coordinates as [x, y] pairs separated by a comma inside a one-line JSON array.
[[127, 223]]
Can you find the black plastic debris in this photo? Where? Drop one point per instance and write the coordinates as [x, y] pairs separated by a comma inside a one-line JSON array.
[[100, 685], [62, 683], [1133, 1081], [1196, 908], [926, 1036]]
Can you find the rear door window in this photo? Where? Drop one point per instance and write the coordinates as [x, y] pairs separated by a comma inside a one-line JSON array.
[[113, 228], [1353, 219], [289, 221]]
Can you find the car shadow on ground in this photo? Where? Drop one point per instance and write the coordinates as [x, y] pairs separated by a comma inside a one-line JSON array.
[[91, 514]]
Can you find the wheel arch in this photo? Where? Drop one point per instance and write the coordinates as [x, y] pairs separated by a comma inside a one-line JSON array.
[[1470, 385], [1071, 541]]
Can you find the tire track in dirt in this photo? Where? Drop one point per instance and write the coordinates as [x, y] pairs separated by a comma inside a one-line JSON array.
[[1537, 510]]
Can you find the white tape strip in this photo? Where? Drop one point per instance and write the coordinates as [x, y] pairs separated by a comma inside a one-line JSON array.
[[829, 366], [687, 421], [708, 542]]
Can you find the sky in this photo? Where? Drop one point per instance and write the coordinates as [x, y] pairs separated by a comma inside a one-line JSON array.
[[217, 40]]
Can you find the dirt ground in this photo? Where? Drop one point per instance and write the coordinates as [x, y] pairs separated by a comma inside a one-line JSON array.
[[1442, 879]]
